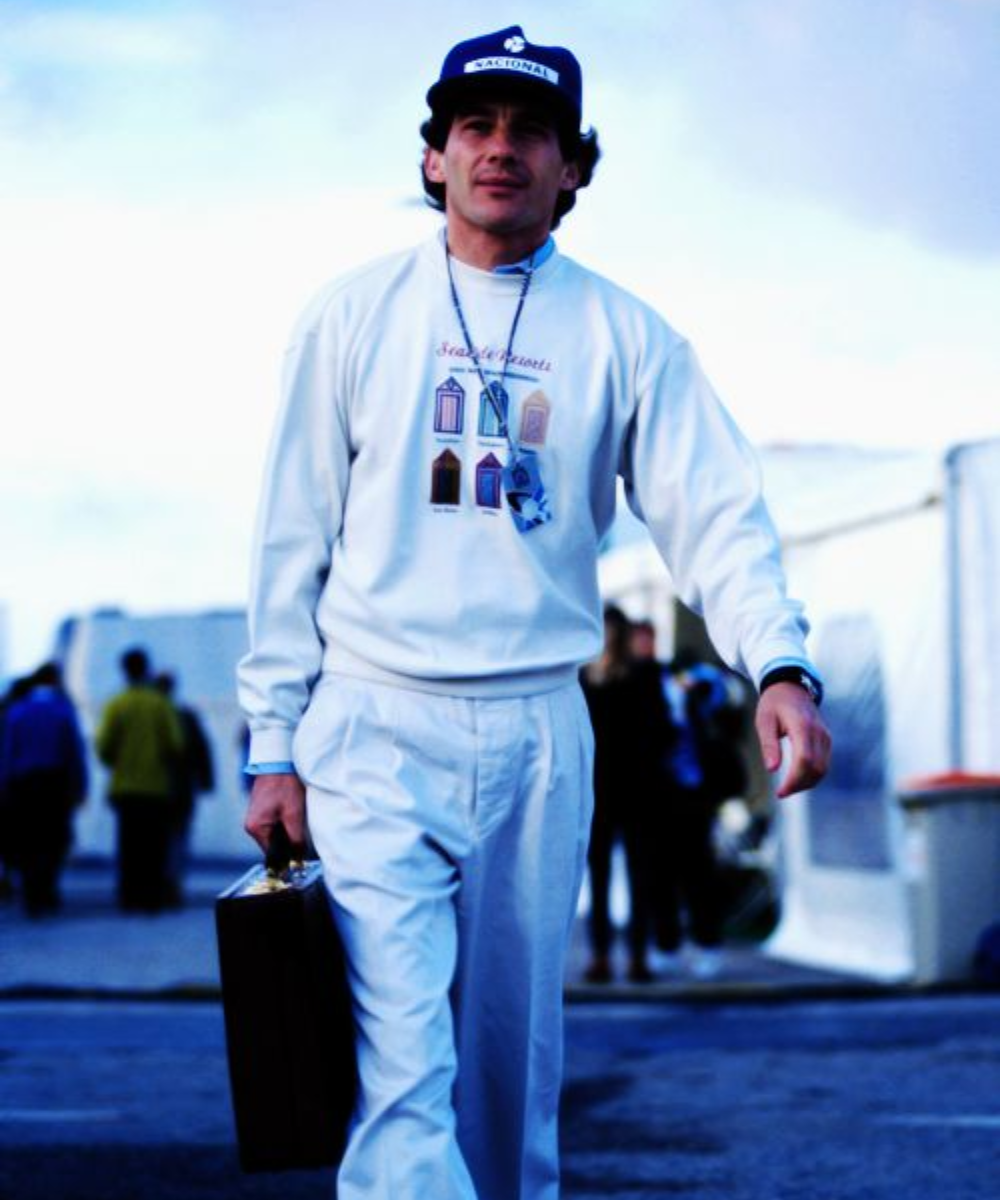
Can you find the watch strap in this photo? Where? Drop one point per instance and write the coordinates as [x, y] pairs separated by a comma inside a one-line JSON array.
[[797, 675]]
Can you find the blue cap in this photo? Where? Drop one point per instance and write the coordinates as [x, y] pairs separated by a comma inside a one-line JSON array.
[[550, 73]]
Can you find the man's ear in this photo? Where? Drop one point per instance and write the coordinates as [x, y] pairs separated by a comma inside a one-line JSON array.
[[434, 165], [570, 179]]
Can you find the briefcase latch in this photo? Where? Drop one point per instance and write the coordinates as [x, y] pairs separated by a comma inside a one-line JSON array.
[[276, 881]]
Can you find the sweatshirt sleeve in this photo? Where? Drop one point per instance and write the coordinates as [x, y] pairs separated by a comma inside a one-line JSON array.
[[298, 521], [693, 479]]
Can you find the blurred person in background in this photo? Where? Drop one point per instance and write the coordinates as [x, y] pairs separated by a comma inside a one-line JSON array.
[[17, 689], [632, 734], [192, 772], [704, 767], [140, 740], [43, 779], [642, 640]]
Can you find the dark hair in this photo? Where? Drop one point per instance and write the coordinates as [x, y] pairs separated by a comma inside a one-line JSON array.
[[135, 664], [579, 148], [617, 628], [165, 682], [615, 616], [48, 674]]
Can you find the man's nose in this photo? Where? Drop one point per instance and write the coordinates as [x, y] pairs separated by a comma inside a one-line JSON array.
[[501, 144]]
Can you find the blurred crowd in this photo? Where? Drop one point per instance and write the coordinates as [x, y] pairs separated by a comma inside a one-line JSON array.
[[668, 753], [158, 761], [669, 742]]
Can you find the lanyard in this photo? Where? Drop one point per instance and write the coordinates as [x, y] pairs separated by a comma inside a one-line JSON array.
[[488, 388]]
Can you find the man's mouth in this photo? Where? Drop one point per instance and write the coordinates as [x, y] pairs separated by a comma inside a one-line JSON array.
[[502, 183]]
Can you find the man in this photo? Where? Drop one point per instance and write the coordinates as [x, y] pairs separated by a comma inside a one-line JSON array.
[[633, 735], [425, 592], [43, 777], [140, 739]]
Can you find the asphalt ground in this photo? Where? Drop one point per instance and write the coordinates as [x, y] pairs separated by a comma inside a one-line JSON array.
[[846, 1099]]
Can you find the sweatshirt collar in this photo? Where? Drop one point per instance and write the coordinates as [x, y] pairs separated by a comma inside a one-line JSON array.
[[541, 255]]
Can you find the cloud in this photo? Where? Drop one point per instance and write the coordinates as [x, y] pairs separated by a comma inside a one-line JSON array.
[[95, 40], [185, 100], [76, 79], [887, 112]]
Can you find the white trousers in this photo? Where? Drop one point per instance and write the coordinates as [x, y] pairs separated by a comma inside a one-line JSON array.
[[453, 836]]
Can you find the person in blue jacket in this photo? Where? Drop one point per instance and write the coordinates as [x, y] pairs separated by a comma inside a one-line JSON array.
[[43, 770]]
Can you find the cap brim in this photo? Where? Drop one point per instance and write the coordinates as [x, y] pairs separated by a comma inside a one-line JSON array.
[[447, 94]]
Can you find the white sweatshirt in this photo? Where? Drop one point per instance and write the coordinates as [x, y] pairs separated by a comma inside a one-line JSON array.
[[384, 546]]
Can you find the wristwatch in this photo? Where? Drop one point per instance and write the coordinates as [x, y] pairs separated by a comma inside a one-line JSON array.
[[797, 675]]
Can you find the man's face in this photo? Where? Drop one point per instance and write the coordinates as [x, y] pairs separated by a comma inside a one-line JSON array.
[[503, 170]]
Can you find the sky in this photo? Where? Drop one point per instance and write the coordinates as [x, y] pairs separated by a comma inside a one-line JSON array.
[[808, 189]]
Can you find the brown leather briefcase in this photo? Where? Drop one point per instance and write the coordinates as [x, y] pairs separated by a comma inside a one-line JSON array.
[[289, 1031]]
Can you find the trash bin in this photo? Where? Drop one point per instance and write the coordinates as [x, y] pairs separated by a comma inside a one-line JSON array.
[[952, 840]]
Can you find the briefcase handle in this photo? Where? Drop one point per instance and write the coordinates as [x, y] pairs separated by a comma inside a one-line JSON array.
[[282, 856]]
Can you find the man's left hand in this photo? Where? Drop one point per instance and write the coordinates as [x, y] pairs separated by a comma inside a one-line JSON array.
[[787, 710]]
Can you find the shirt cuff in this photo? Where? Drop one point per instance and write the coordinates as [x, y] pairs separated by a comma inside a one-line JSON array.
[[271, 744], [269, 768]]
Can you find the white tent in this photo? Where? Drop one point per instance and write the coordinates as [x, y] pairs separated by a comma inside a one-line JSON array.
[[897, 557]]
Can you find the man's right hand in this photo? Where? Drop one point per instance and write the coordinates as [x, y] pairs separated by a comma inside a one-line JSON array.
[[276, 800]]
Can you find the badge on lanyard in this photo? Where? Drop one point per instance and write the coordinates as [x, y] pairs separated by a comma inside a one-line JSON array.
[[526, 497], [522, 482]]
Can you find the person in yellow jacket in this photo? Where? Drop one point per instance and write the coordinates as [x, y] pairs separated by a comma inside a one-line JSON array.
[[139, 738]]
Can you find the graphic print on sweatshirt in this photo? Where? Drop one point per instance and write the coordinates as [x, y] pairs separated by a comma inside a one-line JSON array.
[[493, 406], [446, 479], [535, 414], [469, 449], [449, 407], [488, 482]]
